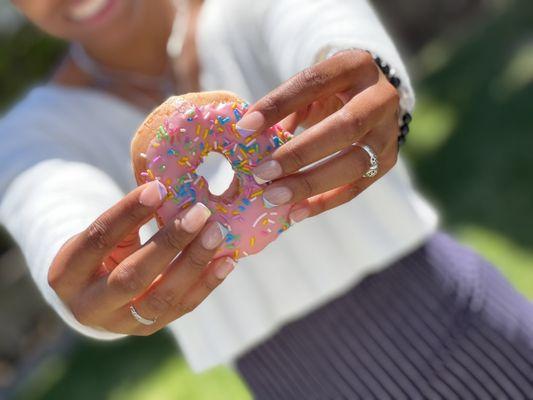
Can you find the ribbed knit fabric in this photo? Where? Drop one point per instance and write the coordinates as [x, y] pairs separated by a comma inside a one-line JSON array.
[[441, 323]]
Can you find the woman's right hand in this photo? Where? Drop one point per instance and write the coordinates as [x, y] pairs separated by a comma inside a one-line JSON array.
[[103, 270]]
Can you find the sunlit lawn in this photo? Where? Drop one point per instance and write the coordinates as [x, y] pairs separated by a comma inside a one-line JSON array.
[[471, 150], [132, 369]]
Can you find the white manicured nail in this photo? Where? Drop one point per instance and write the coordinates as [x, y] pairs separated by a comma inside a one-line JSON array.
[[195, 218], [224, 268]]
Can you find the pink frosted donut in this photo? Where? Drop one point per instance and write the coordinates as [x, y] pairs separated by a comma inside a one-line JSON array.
[[171, 144]]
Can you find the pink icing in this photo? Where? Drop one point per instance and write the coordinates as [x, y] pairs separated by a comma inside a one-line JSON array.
[[179, 147]]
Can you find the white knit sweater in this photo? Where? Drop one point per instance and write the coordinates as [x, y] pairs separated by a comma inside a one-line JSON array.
[[64, 159]]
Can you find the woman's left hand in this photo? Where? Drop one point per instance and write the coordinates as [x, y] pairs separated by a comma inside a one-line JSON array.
[[343, 100]]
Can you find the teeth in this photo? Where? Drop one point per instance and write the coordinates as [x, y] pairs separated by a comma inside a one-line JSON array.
[[86, 9]]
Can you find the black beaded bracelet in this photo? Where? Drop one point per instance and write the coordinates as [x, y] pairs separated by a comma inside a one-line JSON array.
[[396, 82]]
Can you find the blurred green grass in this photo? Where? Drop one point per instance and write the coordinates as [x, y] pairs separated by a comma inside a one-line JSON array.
[[470, 150], [472, 140], [26, 56], [130, 369]]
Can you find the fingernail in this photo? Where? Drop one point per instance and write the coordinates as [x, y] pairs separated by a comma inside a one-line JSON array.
[[153, 194], [214, 235], [299, 213], [250, 123], [267, 171], [195, 218], [224, 268], [275, 196]]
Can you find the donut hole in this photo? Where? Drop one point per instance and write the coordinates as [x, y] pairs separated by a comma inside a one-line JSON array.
[[218, 173]]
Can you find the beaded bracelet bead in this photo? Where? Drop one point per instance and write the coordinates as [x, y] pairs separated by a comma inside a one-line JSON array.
[[406, 118]]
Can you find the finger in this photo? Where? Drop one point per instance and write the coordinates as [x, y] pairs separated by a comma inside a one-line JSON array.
[[122, 320], [130, 244], [83, 254], [89, 247], [361, 114], [333, 198], [166, 293], [313, 113], [291, 122], [210, 279], [127, 246], [350, 69], [323, 108], [135, 274], [347, 166]]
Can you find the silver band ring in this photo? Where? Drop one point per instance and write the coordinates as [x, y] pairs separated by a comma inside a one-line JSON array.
[[374, 164], [140, 319]]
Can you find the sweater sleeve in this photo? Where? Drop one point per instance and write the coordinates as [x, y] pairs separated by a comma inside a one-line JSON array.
[[45, 205], [297, 30], [59, 149]]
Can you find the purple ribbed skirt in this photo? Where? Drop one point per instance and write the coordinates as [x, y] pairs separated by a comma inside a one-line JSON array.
[[441, 323]]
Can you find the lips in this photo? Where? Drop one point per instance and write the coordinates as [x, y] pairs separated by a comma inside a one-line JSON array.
[[84, 10]]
